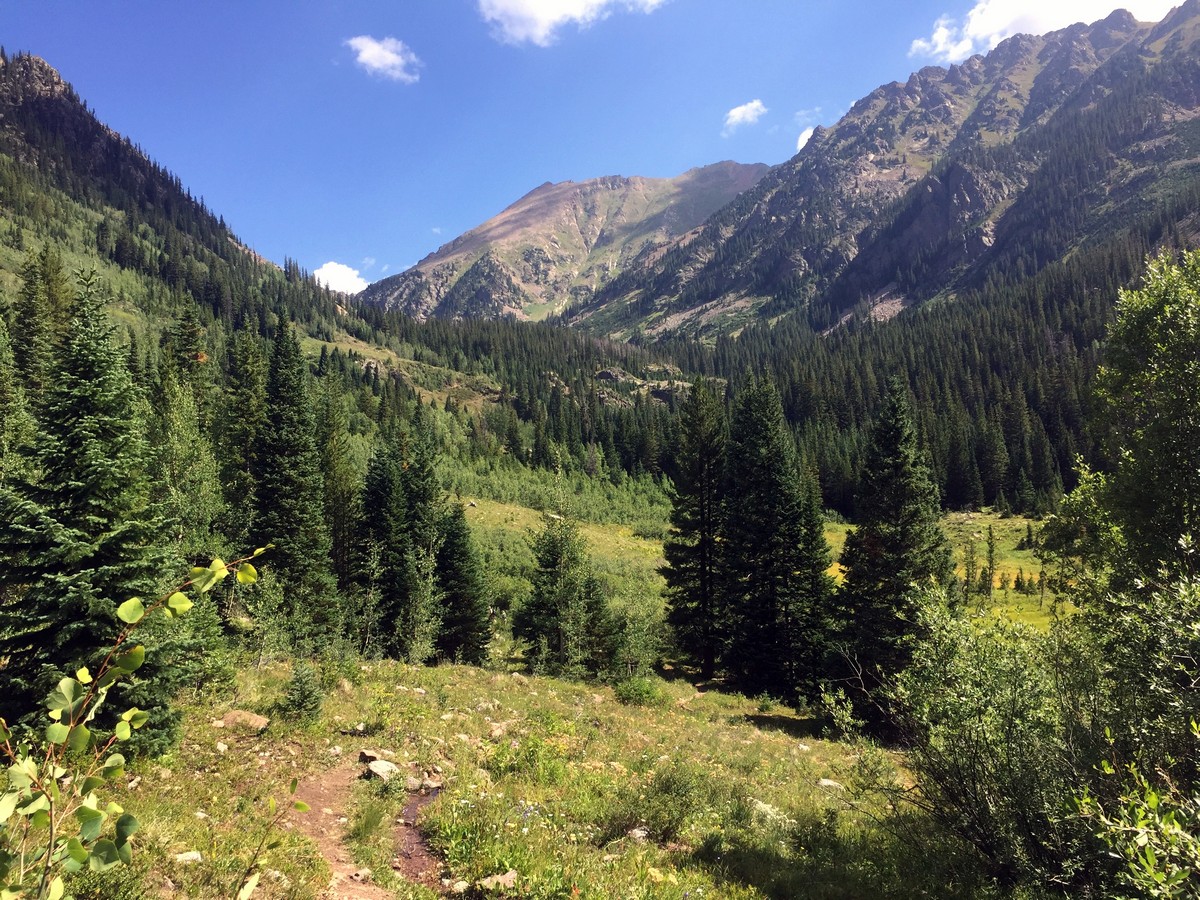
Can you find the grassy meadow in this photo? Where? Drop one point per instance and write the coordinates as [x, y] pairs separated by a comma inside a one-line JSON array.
[[686, 794]]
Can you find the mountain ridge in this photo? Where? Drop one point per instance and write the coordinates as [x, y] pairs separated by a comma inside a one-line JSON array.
[[559, 242]]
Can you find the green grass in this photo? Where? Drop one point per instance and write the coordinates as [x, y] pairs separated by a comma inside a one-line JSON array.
[[698, 795]]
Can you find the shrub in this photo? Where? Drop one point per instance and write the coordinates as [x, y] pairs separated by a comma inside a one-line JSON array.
[[304, 696], [640, 691]]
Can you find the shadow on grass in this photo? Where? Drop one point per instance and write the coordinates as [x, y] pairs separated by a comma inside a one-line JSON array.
[[825, 862], [789, 725]]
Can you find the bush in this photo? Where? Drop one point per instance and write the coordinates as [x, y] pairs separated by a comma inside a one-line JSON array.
[[640, 691], [304, 696]]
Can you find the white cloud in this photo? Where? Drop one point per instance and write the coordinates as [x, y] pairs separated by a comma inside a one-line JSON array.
[[991, 21], [436, 229], [339, 277], [368, 262], [536, 21], [746, 114], [805, 135], [388, 58]]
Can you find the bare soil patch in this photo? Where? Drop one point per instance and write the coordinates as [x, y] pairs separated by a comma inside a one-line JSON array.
[[328, 796]]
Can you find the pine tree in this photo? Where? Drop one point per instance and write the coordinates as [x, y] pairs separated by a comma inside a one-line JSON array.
[[290, 495], [341, 478], [692, 570], [565, 620], [77, 532], [773, 552], [185, 476], [897, 549], [16, 424], [243, 421], [465, 627]]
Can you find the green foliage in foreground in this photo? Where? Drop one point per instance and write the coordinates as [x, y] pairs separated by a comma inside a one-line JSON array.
[[53, 820]]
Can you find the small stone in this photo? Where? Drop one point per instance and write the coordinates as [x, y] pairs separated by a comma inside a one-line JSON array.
[[420, 691], [507, 881], [362, 876], [246, 721], [217, 723], [460, 887], [803, 748], [830, 784], [638, 834], [200, 814], [222, 746], [498, 730], [430, 784], [412, 784], [134, 782], [335, 750], [191, 856], [382, 769]]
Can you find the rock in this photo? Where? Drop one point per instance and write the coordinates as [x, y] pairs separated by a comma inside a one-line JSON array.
[[830, 784], [222, 746], [639, 834], [419, 691], [246, 721], [335, 750], [506, 882], [460, 887], [431, 784], [412, 784], [498, 730], [191, 856], [381, 769], [362, 876]]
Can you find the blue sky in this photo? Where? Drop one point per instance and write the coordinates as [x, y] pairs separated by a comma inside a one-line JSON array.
[[365, 133]]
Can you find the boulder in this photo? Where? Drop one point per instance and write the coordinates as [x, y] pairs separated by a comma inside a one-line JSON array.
[[246, 721]]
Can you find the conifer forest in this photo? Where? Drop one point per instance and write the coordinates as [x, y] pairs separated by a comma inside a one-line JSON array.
[[637, 600]]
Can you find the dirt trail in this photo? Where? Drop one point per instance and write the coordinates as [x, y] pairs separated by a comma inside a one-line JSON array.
[[328, 796]]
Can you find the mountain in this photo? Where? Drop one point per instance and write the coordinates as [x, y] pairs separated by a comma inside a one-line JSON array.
[[559, 243], [963, 175], [960, 177]]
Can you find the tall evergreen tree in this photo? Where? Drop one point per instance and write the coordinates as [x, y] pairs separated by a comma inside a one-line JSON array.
[[238, 432], [566, 619], [897, 549], [185, 474], [77, 532], [341, 478], [16, 424], [692, 570], [290, 494], [773, 552], [465, 627]]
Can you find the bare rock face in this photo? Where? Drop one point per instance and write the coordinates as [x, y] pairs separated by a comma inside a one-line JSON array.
[[558, 244], [381, 769]]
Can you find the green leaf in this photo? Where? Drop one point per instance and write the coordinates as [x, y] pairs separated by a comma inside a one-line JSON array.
[[135, 717], [38, 803], [246, 574], [126, 826], [8, 804], [295, 783], [123, 731], [57, 732], [271, 805], [90, 823], [76, 851], [261, 550], [91, 783], [78, 740], [178, 604], [248, 887], [104, 856], [114, 767], [5, 734], [83, 676], [57, 889], [301, 806], [68, 697], [131, 611], [131, 661]]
